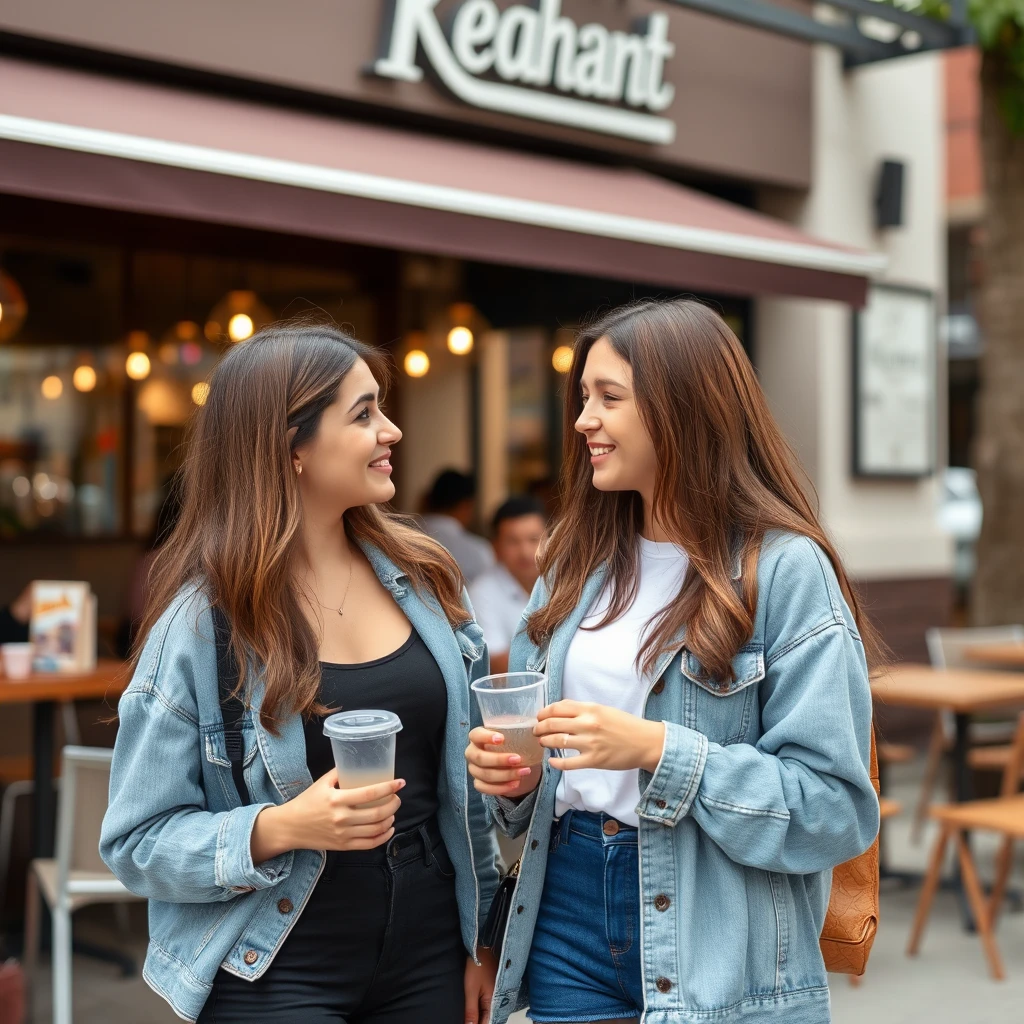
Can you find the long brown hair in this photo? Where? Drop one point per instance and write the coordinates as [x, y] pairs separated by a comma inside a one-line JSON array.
[[241, 511], [728, 476]]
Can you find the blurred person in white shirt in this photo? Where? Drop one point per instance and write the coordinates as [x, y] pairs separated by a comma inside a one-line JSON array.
[[450, 507], [500, 594]]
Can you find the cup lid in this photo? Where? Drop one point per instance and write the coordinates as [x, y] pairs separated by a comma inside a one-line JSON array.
[[361, 725]]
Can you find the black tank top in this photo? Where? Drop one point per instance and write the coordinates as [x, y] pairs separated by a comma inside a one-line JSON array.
[[409, 683]]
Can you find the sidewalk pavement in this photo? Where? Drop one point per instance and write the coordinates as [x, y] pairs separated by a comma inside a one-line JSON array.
[[947, 983]]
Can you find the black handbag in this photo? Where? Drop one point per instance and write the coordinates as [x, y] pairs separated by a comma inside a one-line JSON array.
[[493, 932]]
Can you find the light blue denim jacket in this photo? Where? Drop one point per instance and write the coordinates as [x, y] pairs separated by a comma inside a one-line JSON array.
[[176, 832], [761, 790]]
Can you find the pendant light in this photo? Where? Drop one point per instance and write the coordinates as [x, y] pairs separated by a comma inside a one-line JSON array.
[[237, 317]]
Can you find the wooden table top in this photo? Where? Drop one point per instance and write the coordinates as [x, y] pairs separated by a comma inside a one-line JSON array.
[[109, 679], [1006, 655], [962, 691], [958, 690]]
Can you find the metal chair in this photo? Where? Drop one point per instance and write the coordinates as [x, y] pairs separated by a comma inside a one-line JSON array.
[[76, 877], [946, 649], [1004, 815]]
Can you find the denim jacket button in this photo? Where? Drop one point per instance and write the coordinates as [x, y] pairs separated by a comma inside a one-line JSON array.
[[660, 804], [285, 906], [251, 957], [658, 686], [662, 902], [663, 985]]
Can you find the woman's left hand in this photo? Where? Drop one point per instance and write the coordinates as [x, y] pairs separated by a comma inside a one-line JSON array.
[[605, 737], [479, 986]]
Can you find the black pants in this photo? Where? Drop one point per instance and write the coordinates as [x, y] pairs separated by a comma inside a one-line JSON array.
[[378, 942]]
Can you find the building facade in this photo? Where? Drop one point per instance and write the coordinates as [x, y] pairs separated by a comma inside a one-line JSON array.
[[463, 182]]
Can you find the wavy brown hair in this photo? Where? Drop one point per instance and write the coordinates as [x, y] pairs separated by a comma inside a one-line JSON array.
[[241, 513], [728, 476]]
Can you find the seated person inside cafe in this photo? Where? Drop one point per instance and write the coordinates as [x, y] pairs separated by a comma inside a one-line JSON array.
[[500, 594], [450, 507], [14, 618]]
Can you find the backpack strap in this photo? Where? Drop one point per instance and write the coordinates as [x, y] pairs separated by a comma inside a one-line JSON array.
[[231, 707]]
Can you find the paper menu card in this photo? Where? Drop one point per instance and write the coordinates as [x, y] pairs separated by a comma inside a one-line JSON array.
[[63, 626]]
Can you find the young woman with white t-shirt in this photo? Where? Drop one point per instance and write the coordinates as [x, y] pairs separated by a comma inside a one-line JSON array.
[[710, 711]]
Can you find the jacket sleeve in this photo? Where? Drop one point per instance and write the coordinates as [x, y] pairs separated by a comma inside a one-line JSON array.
[[159, 837], [800, 799], [486, 855]]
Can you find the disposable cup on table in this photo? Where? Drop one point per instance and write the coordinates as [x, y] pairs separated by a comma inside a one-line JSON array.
[[509, 703], [17, 660], [364, 747]]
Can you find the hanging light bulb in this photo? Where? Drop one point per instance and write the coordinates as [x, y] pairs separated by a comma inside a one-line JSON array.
[[417, 363], [84, 378], [460, 337], [137, 365], [561, 359], [13, 307], [52, 387], [200, 392], [460, 341], [236, 317]]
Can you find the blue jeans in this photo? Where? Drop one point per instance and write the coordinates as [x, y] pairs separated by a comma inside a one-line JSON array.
[[585, 959]]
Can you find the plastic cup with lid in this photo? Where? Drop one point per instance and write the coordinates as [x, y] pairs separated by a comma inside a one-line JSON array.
[[364, 747]]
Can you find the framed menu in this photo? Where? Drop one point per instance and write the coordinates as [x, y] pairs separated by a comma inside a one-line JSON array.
[[894, 384]]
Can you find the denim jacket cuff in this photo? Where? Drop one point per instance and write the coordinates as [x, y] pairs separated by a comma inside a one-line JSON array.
[[673, 786], [511, 816], [233, 866]]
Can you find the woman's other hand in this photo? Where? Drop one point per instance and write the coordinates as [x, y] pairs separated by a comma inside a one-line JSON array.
[[605, 737]]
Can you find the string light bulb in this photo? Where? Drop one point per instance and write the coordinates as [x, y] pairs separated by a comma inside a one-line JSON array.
[[460, 341], [137, 365], [84, 378], [417, 363], [52, 387], [561, 359], [200, 392]]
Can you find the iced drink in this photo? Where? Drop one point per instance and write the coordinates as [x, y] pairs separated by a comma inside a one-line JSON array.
[[364, 748], [509, 703]]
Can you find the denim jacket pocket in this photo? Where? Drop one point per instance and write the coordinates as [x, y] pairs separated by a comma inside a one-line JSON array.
[[722, 710], [216, 753]]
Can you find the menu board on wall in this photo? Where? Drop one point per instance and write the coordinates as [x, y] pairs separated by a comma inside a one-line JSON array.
[[894, 383]]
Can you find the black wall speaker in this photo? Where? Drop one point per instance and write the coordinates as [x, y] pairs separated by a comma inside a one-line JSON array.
[[889, 196]]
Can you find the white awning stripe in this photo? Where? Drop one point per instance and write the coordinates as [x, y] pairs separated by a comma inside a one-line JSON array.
[[438, 197]]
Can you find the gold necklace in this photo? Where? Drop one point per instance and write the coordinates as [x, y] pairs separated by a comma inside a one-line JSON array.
[[341, 608]]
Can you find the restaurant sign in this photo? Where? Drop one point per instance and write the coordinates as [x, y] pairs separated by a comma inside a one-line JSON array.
[[534, 62]]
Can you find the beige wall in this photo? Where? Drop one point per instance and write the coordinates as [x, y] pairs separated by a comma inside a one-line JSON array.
[[886, 529], [436, 429]]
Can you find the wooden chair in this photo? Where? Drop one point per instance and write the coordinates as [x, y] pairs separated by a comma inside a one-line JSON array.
[[946, 649], [1004, 815]]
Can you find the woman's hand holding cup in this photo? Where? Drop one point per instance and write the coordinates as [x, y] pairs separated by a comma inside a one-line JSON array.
[[324, 817], [496, 772]]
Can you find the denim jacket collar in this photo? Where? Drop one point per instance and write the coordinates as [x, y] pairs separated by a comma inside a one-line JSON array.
[[284, 754]]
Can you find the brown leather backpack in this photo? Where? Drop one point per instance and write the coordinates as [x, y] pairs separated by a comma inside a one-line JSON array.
[[852, 917]]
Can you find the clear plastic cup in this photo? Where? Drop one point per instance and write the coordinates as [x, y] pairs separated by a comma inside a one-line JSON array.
[[509, 703], [17, 660], [364, 747]]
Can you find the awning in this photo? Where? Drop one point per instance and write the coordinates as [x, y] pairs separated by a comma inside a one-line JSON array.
[[84, 138]]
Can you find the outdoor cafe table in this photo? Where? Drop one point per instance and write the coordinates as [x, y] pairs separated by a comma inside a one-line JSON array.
[[963, 693], [997, 655], [44, 691]]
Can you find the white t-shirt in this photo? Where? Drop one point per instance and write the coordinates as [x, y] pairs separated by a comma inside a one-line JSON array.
[[498, 602], [600, 667]]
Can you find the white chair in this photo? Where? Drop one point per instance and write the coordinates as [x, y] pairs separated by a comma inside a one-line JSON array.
[[17, 789], [76, 877], [946, 649]]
